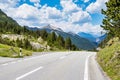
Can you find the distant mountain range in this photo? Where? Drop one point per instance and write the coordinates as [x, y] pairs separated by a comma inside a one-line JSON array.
[[96, 40], [80, 42]]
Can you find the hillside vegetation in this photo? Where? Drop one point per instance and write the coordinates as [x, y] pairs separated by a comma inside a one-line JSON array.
[[109, 59], [78, 41], [12, 34], [109, 56], [9, 51]]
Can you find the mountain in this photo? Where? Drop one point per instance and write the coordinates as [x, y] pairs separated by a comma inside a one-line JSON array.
[[51, 27], [12, 34], [87, 36], [48, 28], [80, 42], [8, 25], [4, 18], [94, 39], [101, 38]]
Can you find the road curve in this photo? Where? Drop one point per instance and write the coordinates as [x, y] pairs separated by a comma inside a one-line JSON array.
[[54, 66]]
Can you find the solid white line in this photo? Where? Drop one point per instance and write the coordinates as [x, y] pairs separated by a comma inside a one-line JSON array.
[[12, 62], [62, 57], [5, 64], [19, 61], [29, 73], [86, 77], [31, 58]]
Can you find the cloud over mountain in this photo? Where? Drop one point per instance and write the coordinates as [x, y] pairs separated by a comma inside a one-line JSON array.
[[70, 17]]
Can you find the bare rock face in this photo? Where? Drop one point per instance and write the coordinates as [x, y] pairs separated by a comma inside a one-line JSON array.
[[12, 36], [39, 44], [40, 40], [36, 45]]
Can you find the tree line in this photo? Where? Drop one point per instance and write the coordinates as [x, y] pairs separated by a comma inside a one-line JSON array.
[[111, 21], [53, 40]]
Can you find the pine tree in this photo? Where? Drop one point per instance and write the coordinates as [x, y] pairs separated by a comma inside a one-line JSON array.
[[27, 44], [53, 37], [74, 47], [111, 21], [68, 43], [19, 43], [60, 41], [44, 34]]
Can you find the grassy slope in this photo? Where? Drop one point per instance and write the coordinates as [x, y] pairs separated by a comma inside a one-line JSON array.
[[110, 61], [6, 51]]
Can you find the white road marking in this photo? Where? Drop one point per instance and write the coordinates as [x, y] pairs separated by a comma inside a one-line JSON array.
[[12, 62], [86, 77], [29, 73], [31, 58], [62, 57], [19, 61], [5, 64]]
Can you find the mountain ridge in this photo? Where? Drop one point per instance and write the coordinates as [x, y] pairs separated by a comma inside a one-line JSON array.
[[13, 27], [95, 39], [80, 42], [5, 18]]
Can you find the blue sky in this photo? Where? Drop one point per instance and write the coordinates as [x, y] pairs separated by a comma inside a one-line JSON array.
[[69, 15]]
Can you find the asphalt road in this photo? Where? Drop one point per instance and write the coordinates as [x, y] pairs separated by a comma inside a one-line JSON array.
[[53, 66]]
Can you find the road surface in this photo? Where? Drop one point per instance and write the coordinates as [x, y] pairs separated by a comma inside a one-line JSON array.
[[53, 66]]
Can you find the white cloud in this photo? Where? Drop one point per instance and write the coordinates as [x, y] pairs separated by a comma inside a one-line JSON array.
[[35, 1], [24, 14], [97, 6], [52, 12], [71, 18], [75, 0], [80, 17], [37, 5], [86, 1], [24, 11], [8, 3], [69, 6], [74, 13], [81, 0], [90, 28], [86, 27]]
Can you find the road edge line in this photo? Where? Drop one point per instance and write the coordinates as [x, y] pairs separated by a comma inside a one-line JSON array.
[[101, 69], [26, 74], [86, 70]]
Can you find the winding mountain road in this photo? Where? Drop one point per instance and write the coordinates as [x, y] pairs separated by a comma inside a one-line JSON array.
[[53, 66]]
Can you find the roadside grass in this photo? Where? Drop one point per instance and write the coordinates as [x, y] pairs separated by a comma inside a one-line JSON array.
[[109, 59], [9, 51]]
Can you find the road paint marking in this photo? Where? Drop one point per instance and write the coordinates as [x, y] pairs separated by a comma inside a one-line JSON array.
[[5, 64], [12, 62], [62, 57], [31, 58], [29, 73], [86, 77], [19, 61]]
